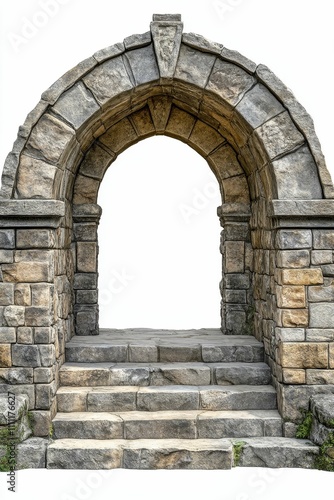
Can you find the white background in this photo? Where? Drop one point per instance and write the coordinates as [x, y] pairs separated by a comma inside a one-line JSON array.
[[159, 268]]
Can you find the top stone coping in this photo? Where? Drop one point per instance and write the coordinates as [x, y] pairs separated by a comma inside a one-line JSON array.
[[167, 18], [301, 208], [32, 208]]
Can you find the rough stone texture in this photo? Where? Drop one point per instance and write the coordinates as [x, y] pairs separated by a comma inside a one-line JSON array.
[[81, 454], [303, 355], [322, 315], [166, 34], [31, 454]]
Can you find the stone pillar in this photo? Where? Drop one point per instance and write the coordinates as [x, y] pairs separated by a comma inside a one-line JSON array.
[[86, 218], [236, 284]]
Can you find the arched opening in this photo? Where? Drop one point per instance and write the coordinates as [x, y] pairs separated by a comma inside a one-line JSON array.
[[159, 259]]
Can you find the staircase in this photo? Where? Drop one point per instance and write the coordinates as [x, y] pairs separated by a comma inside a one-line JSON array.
[[167, 399]]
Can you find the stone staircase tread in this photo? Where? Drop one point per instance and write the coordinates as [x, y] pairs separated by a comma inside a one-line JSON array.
[[183, 388], [161, 364]]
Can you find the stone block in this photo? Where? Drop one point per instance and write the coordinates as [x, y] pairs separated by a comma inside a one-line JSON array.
[[290, 334], [111, 399], [6, 256], [237, 398], [328, 270], [176, 353], [237, 281], [235, 296], [317, 377], [293, 258], [293, 239], [143, 353], [319, 257], [94, 165], [47, 354], [44, 395], [16, 376], [41, 295], [5, 355], [38, 316], [35, 238], [87, 321], [140, 425], [180, 123], [85, 281], [119, 136], [259, 105], [143, 65], [292, 376], [142, 122], [27, 272], [6, 294], [193, 66], [26, 355], [84, 454], [205, 139], [176, 374], [303, 355], [7, 335], [41, 422], [22, 294], [86, 257], [229, 82], [108, 80], [14, 315], [302, 277], [234, 257], [43, 335], [25, 335], [323, 293], [171, 398], [7, 239], [132, 376], [86, 231], [331, 355], [236, 189], [294, 318], [20, 390], [88, 426], [86, 297], [290, 296], [323, 239], [237, 231], [321, 315], [31, 454], [85, 190], [43, 375], [77, 105], [35, 178]]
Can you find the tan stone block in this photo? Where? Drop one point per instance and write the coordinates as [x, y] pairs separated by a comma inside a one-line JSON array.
[[26, 272], [180, 123], [32, 238], [41, 295], [5, 356], [331, 355], [236, 189], [315, 377], [119, 136], [225, 162], [86, 257], [291, 376], [35, 178], [302, 277], [294, 317], [22, 295], [291, 296], [142, 122], [293, 258], [303, 355], [234, 257], [85, 190], [205, 139]]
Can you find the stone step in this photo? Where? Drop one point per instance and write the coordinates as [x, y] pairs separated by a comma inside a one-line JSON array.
[[161, 398], [164, 424], [145, 374], [152, 346], [140, 454], [181, 453]]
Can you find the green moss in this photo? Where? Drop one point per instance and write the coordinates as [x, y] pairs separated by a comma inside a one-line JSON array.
[[31, 420], [51, 431], [330, 424], [237, 451], [9, 439], [304, 428], [325, 460]]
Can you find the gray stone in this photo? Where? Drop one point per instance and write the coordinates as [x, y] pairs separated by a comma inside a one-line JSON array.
[[321, 315], [258, 105], [143, 353], [159, 425], [166, 34], [278, 453], [94, 165], [238, 398], [85, 375], [180, 374], [84, 454], [293, 258], [109, 52], [323, 239], [37, 316], [32, 238], [200, 43], [237, 281], [323, 293], [322, 406], [290, 334], [6, 256], [43, 375], [112, 399], [230, 82], [242, 374], [19, 408], [319, 257], [328, 270], [108, 80], [294, 399], [237, 58], [132, 375], [77, 106], [320, 433], [290, 172], [7, 238], [171, 398], [26, 355], [35, 178], [20, 390], [16, 375], [137, 41], [319, 335], [229, 354], [14, 315], [294, 239], [96, 354], [7, 335], [31, 454], [44, 395], [143, 65], [72, 399], [85, 281], [86, 425], [175, 353], [194, 66]]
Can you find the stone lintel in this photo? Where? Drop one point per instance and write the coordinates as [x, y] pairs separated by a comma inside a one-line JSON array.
[[87, 212], [302, 213], [31, 213]]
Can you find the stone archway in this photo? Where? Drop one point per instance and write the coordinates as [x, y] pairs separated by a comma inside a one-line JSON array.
[[277, 206]]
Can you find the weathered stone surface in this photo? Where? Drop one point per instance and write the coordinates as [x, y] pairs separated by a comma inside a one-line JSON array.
[[26, 355], [331, 355], [20, 390], [14, 315], [321, 315], [108, 80], [293, 258], [303, 355], [291, 296], [85, 281], [200, 43], [160, 425], [295, 318], [27, 272], [238, 398], [72, 374], [35, 178], [176, 353], [225, 163], [142, 122], [294, 399], [6, 256], [204, 138], [180, 374], [278, 453], [171, 398], [320, 377], [87, 426], [234, 256], [112, 399], [136, 41], [86, 257], [237, 281], [72, 399], [84, 454], [292, 376], [258, 105], [240, 353], [119, 136], [322, 406], [44, 335], [38, 316], [160, 108], [94, 164], [96, 354], [25, 335], [236, 189], [294, 239], [319, 257], [319, 335], [242, 374], [180, 123], [178, 454], [194, 66], [44, 395], [86, 297], [85, 189], [230, 82], [22, 294], [141, 353], [132, 376], [302, 277], [166, 34], [109, 52], [7, 335], [43, 375], [323, 239], [77, 105], [290, 334], [6, 294], [7, 238], [143, 65], [323, 293], [35, 238]]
